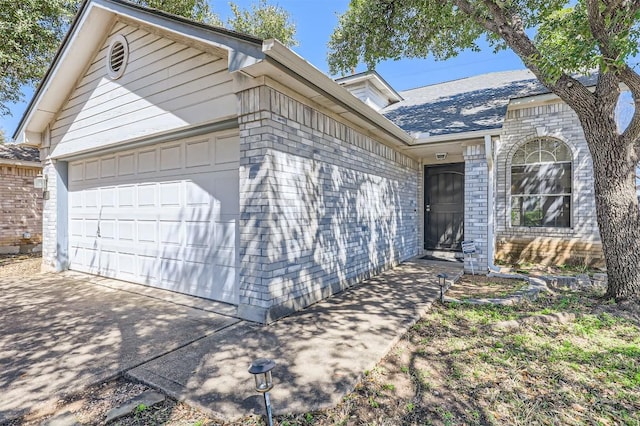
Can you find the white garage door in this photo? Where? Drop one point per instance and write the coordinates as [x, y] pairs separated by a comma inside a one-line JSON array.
[[165, 215]]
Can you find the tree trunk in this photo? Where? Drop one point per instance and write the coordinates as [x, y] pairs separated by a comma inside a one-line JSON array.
[[617, 207]]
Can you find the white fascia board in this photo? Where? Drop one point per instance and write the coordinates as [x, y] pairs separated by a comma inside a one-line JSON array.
[[532, 101], [545, 98], [320, 81], [63, 73], [374, 79], [425, 138], [244, 50]]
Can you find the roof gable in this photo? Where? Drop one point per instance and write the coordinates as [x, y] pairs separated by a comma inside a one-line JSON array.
[[89, 31]]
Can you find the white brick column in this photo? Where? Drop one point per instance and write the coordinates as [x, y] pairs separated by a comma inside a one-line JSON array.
[[476, 215], [55, 218]]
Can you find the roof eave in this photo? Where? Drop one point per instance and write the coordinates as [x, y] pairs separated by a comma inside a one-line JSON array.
[[321, 82], [424, 138]]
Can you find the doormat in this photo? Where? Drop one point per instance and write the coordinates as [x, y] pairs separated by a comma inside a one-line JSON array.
[[442, 259]]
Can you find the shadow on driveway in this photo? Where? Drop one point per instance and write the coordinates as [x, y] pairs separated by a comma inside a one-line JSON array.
[[62, 333], [59, 335]]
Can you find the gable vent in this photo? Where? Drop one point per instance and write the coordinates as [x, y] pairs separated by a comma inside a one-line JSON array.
[[117, 56]]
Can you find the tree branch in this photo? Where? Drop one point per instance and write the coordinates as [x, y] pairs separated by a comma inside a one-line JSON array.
[[624, 72], [510, 29]]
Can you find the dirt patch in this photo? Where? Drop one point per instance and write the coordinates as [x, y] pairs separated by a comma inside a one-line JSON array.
[[568, 270], [20, 265], [483, 287], [91, 406]]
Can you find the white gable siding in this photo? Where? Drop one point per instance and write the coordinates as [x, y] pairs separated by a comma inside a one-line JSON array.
[[166, 85]]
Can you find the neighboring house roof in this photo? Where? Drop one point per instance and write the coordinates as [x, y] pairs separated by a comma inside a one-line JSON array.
[[465, 105], [12, 153]]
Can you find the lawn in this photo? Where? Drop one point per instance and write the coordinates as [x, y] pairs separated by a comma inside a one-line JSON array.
[[563, 359]]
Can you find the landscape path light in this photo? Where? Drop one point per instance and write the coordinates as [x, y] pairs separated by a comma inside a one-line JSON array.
[[442, 281], [261, 370]]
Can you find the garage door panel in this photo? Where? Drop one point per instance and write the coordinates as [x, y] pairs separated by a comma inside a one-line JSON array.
[[147, 231], [126, 196], [147, 195], [171, 232], [108, 167], [76, 199], [126, 164], [198, 154], [170, 157], [146, 161], [148, 268], [91, 198], [126, 230], [170, 194], [164, 216], [108, 197], [127, 264], [225, 235], [107, 229], [199, 234], [76, 227]]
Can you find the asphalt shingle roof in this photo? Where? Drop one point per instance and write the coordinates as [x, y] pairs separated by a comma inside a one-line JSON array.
[[465, 105], [19, 153]]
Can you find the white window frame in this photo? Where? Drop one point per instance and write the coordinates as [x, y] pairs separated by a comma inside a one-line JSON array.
[[541, 196]]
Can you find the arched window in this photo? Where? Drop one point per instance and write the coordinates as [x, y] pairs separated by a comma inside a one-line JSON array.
[[541, 184]]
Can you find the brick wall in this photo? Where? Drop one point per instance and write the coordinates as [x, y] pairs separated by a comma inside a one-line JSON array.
[[20, 209], [476, 218], [322, 205], [580, 242]]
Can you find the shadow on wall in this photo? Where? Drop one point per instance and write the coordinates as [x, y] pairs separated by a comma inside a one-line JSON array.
[[175, 232], [550, 251], [332, 226]]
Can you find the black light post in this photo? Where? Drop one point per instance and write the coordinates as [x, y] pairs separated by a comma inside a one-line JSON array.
[[261, 370], [442, 281]]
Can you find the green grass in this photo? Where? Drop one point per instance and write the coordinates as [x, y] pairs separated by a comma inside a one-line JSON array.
[[456, 366]]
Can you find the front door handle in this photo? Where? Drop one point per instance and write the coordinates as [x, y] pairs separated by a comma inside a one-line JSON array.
[[427, 208]]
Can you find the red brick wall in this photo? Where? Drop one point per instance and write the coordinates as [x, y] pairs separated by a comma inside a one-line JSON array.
[[20, 207]]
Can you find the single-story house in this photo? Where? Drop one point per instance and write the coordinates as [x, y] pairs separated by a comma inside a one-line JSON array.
[[208, 162], [20, 199]]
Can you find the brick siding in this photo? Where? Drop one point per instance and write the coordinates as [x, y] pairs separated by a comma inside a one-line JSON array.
[[322, 205], [476, 218], [20, 209], [580, 242]]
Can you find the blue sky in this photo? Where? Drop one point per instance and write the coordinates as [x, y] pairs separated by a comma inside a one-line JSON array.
[[315, 20]]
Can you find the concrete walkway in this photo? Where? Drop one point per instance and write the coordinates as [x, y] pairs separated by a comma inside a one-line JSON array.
[[63, 333]]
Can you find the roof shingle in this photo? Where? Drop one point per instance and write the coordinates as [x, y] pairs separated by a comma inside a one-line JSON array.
[[465, 105], [19, 153]]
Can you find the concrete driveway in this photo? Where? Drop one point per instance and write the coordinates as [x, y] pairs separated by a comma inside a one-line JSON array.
[[61, 333]]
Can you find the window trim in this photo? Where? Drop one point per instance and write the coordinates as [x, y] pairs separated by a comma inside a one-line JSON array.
[[509, 183]]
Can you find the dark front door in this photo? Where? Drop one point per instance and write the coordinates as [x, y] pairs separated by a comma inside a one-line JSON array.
[[444, 206]]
